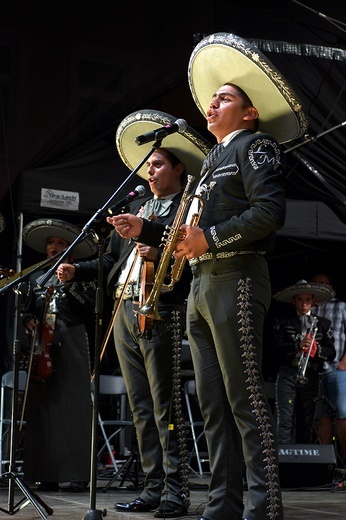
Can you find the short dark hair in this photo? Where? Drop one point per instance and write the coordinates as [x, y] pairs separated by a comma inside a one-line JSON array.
[[246, 100], [174, 160]]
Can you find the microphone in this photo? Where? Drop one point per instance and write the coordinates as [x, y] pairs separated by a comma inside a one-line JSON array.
[[179, 126], [137, 192]]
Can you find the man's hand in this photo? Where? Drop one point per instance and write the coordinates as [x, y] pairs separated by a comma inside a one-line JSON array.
[[31, 325], [65, 272], [306, 343], [147, 252], [127, 225], [193, 243]]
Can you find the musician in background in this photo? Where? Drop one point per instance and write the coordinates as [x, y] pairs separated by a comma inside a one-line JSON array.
[[146, 356], [299, 338], [59, 408], [333, 380]]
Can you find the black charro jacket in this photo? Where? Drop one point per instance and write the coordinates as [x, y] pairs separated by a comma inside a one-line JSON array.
[[287, 337], [244, 196], [118, 251]]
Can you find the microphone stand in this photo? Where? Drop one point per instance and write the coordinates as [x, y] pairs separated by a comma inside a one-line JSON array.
[[100, 231], [93, 513], [27, 272], [29, 495], [11, 476], [96, 219], [333, 21], [312, 139]]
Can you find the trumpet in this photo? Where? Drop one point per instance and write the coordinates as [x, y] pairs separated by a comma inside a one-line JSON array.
[[304, 356], [171, 236]]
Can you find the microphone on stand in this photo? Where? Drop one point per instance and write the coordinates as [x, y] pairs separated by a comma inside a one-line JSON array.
[[139, 191], [179, 125]]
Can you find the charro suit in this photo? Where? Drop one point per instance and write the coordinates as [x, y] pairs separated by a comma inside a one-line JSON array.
[[294, 401], [147, 368], [244, 201]]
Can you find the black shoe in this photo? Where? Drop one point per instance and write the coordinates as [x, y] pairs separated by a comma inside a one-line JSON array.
[[48, 486], [168, 509], [77, 486], [137, 506]]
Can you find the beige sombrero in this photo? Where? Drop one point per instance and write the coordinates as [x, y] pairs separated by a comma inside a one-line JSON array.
[[36, 233], [320, 291], [188, 145], [225, 58]]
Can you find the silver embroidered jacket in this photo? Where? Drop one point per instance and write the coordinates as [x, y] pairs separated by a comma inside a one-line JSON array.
[[244, 194]]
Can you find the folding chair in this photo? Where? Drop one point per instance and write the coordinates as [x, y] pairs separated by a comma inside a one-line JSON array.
[[190, 393], [5, 414], [112, 385]]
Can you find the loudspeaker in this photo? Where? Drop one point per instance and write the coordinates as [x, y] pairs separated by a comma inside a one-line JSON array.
[[306, 465]]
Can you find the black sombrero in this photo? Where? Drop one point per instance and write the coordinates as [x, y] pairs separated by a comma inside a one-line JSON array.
[[320, 291], [188, 145], [36, 233], [225, 58]]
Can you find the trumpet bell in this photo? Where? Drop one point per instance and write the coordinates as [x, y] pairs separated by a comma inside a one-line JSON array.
[[149, 310]]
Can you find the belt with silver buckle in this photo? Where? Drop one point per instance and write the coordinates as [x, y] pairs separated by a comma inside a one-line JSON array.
[[130, 293], [220, 256]]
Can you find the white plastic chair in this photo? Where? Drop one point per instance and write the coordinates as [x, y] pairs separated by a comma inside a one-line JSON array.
[[112, 385], [7, 381]]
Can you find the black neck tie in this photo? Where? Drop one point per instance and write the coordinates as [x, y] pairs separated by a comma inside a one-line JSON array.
[[211, 157]]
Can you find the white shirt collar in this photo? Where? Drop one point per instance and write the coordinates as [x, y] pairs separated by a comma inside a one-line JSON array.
[[230, 136]]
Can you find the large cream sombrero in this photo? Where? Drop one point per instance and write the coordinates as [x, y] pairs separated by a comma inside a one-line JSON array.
[[36, 233], [320, 291], [189, 146], [225, 58]]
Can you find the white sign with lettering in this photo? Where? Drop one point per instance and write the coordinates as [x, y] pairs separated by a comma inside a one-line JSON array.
[[57, 199]]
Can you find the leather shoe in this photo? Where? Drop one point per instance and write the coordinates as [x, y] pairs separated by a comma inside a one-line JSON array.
[[136, 506], [169, 509]]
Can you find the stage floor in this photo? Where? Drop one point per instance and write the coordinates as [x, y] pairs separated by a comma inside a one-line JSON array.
[[327, 503]]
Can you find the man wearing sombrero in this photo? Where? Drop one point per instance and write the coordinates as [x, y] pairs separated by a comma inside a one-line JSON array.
[[301, 344], [242, 185], [57, 440], [145, 354]]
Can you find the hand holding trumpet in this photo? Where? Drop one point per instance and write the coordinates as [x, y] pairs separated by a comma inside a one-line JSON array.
[[308, 343], [191, 242]]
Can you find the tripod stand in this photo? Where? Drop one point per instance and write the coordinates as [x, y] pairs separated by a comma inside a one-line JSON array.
[[29, 495], [13, 479], [125, 471]]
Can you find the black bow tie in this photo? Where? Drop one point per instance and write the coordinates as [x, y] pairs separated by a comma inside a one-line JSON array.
[[305, 321]]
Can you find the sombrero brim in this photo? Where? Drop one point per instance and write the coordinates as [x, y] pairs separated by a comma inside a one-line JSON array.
[[36, 233], [321, 292], [225, 58], [189, 146]]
